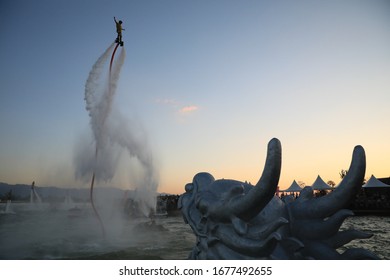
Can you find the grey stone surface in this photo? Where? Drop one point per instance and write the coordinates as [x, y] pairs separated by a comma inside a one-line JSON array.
[[235, 220]]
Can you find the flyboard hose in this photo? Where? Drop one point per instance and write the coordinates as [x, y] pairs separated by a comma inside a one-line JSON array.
[[112, 57], [96, 155], [91, 198]]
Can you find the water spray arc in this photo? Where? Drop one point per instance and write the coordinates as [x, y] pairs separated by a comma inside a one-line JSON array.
[[100, 110], [113, 134]]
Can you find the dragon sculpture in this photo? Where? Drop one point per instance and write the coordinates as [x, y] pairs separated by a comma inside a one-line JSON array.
[[235, 220]]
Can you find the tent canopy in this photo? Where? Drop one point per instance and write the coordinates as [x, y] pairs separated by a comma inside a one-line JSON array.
[[374, 183], [293, 188], [320, 185]]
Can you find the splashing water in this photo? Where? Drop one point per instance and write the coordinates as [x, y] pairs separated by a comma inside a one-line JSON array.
[[112, 134], [34, 197]]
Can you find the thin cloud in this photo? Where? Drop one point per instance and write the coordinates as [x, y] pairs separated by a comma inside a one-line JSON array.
[[177, 106], [188, 109]]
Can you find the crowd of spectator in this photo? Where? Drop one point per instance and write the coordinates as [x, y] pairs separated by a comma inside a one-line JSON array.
[[367, 199]]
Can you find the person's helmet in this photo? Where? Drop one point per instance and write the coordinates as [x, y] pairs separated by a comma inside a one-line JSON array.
[[120, 22]]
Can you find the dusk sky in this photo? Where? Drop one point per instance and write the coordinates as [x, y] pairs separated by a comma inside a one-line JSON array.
[[208, 82]]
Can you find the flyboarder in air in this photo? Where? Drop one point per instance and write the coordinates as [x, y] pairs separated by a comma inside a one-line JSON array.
[[119, 31]]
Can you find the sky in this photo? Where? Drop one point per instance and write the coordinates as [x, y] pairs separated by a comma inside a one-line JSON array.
[[209, 83]]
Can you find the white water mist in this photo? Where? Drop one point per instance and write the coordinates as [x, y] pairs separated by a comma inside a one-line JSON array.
[[113, 134]]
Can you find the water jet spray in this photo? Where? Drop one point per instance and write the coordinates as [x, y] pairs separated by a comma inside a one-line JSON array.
[[103, 117]]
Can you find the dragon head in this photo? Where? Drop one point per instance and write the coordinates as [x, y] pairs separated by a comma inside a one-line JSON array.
[[236, 220]]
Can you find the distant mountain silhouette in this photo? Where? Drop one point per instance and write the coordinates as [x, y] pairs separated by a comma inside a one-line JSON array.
[[22, 192]]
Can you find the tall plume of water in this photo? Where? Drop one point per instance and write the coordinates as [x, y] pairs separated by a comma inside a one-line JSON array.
[[8, 207], [34, 196], [98, 98], [113, 134]]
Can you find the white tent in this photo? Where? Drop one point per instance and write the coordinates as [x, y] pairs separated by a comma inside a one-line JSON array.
[[374, 183], [293, 188], [319, 184]]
